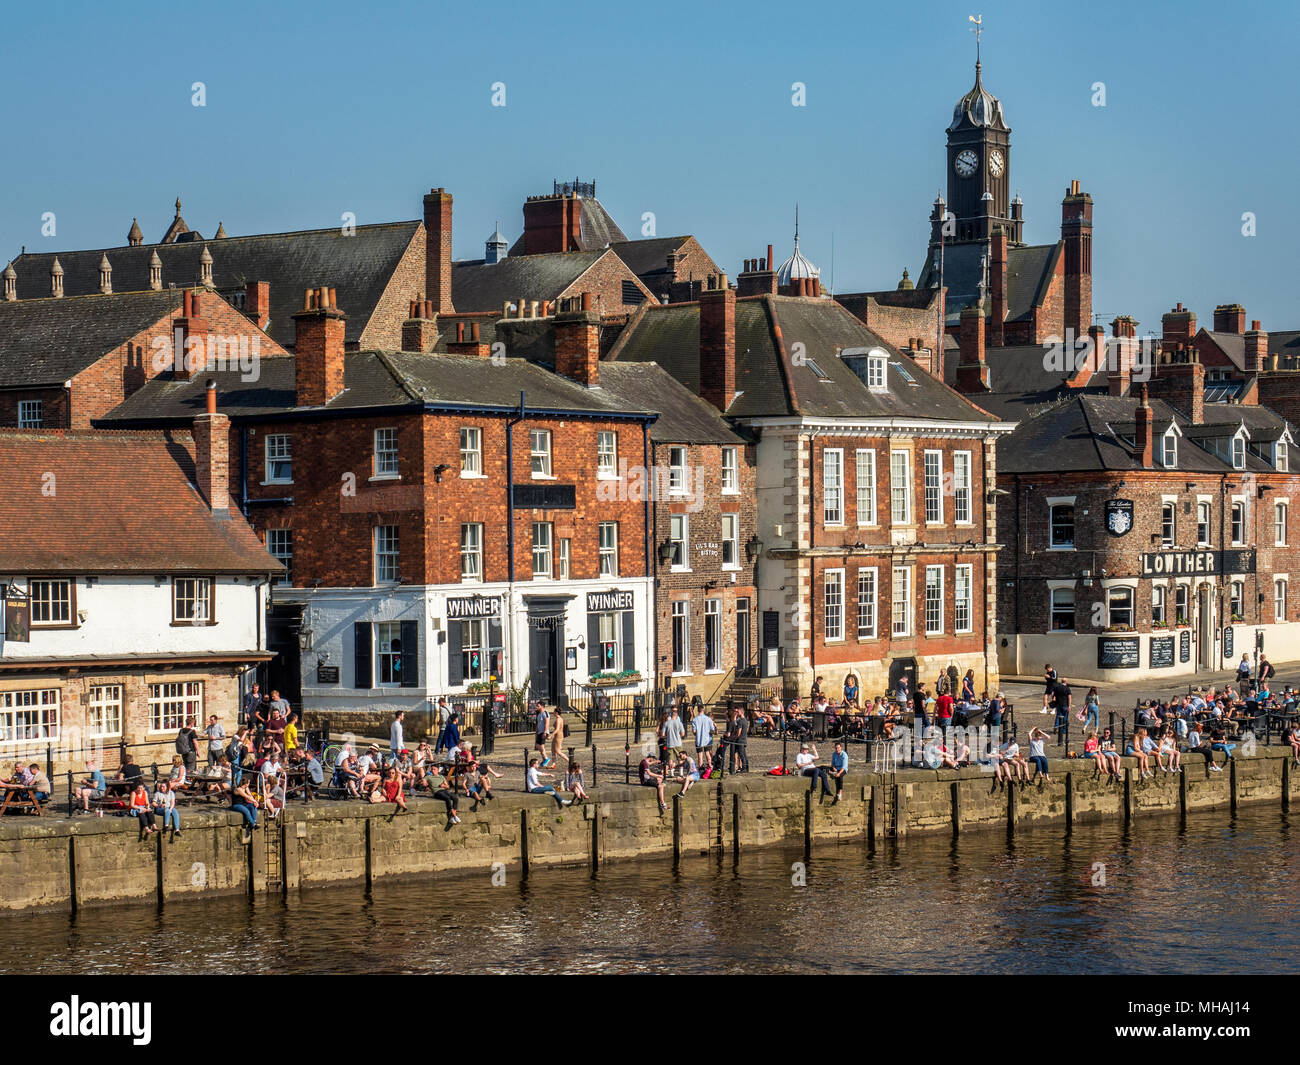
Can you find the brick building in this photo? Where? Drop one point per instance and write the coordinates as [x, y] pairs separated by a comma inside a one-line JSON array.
[[874, 530], [1147, 537], [133, 595]]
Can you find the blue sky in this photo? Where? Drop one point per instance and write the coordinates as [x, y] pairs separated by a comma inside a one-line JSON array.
[[683, 110]]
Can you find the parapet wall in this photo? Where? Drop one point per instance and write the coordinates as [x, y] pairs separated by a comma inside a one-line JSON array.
[[52, 863]]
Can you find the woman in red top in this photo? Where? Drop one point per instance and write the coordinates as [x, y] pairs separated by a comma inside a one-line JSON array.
[[393, 788], [143, 809]]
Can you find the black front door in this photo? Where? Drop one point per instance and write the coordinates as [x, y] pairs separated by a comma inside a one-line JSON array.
[[284, 671], [742, 635], [544, 658]]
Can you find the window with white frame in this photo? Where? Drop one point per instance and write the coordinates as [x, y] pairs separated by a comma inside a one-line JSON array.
[[539, 444], [730, 471], [279, 458], [611, 647], [933, 600], [901, 601], [1167, 524], [865, 461], [473, 649], [1119, 603], [192, 600], [876, 371], [387, 557], [606, 453], [833, 615], [279, 544], [712, 635], [1238, 453], [471, 551], [1062, 609], [563, 553], [386, 453], [961, 487], [679, 535], [1279, 600], [608, 548], [900, 487], [173, 704], [1236, 599], [867, 603], [471, 451], [677, 484], [1158, 604], [1169, 450], [833, 486], [104, 710], [31, 414], [51, 601], [730, 541], [542, 531], [1180, 604], [681, 636], [933, 487], [29, 715], [963, 598], [388, 653], [1279, 524], [1061, 525], [1238, 522], [1202, 523], [1281, 457]]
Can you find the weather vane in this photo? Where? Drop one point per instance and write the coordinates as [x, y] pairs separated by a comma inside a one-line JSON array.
[[978, 30]]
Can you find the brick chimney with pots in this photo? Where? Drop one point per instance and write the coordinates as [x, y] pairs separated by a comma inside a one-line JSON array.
[[318, 348], [420, 330], [1177, 327], [257, 302], [997, 288], [718, 342], [1120, 370], [1143, 445], [469, 342], [1076, 232], [577, 344], [1256, 348], [1230, 318], [552, 223], [758, 278], [972, 370], [189, 338], [1179, 379], [437, 249], [212, 455]]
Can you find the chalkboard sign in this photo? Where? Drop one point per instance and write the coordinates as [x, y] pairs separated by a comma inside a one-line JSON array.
[[1185, 645], [1119, 652], [1162, 651], [1227, 642], [327, 674]]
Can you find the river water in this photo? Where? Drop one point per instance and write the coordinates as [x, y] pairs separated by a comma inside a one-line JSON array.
[[1212, 895]]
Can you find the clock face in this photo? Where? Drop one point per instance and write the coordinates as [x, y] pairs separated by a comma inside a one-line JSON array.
[[996, 163], [966, 163]]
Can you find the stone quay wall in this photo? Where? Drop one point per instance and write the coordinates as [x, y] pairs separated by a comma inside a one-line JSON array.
[[54, 862]]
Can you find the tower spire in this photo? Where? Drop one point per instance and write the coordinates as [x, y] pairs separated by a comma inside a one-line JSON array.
[[978, 30], [796, 227]]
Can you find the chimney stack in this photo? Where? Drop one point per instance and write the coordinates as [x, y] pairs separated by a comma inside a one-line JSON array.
[[1177, 326], [972, 370], [212, 455], [1120, 373], [1256, 348], [420, 330], [577, 344], [105, 275], [257, 302], [320, 328], [469, 342], [1076, 232], [10, 284], [189, 338], [997, 288], [1142, 442], [758, 278], [437, 250], [56, 279], [1179, 379], [718, 343], [1230, 318], [155, 272]]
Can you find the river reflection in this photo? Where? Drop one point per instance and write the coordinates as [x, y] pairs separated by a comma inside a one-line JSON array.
[[1215, 894]]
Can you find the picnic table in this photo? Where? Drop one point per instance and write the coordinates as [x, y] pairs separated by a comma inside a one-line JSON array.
[[20, 797]]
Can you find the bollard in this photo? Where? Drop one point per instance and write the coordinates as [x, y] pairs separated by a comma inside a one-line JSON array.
[[71, 808], [627, 764], [636, 716], [593, 765], [591, 709], [488, 742]]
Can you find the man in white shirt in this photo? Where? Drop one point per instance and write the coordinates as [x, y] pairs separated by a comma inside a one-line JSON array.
[[703, 727], [216, 733], [806, 761], [396, 742]]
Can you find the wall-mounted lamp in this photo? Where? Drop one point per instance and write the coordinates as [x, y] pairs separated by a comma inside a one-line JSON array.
[[304, 639], [666, 552], [438, 471], [753, 547], [1265, 488]]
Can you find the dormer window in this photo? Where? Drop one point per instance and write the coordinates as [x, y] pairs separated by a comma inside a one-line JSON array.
[[1238, 453], [1280, 458], [876, 371], [1169, 450]]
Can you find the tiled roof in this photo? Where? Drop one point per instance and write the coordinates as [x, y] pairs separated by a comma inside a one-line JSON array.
[[117, 502], [1029, 273], [480, 286], [48, 341], [358, 267]]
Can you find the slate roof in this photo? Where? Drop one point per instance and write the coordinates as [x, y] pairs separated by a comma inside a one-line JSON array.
[[479, 286], [770, 383], [1284, 343], [684, 418], [1017, 367], [596, 229], [1029, 273], [1083, 433], [359, 267], [649, 256], [49, 341], [123, 503], [1233, 345]]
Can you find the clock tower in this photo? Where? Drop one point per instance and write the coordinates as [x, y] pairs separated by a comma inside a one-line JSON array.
[[979, 172]]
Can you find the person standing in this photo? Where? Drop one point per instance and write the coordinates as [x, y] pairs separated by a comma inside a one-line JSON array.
[[1266, 670], [703, 727], [539, 740], [943, 707], [1092, 703], [216, 733], [251, 702], [673, 735], [737, 741], [1049, 683], [396, 741], [1062, 701], [919, 701], [557, 739], [187, 745]]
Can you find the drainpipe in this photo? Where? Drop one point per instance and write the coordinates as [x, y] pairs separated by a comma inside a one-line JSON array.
[[511, 422], [812, 538], [650, 559], [243, 471]]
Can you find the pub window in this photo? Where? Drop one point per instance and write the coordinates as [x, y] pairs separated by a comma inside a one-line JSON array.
[[386, 553], [1279, 600], [542, 548], [471, 552], [564, 550], [279, 459], [539, 442], [1167, 525], [172, 705], [192, 600], [730, 471], [1279, 524], [386, 453], [51, 602], [1238, 522], [866, 486], [1202, 523], [712, 635], [30, 414], [1062, 609], [471, 452], [933, 487], [679, 536], [866, 604], [1180, 604], [833, 486], [609, 549], [1119, 602], [681, 636], [1061, 521], [29, 715], [730, 541], [104, 710], [834, 604], [1237, 596], [1158, 604], [606, 453], [933, 600], [611, 648], [473, 643], [388, 653]]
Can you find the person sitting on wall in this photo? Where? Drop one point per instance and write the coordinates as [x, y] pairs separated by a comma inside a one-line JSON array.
[[347, 776], [851, 689], [651, 775]]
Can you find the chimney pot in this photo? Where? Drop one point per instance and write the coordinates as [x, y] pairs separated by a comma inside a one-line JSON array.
[[212, 397]]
